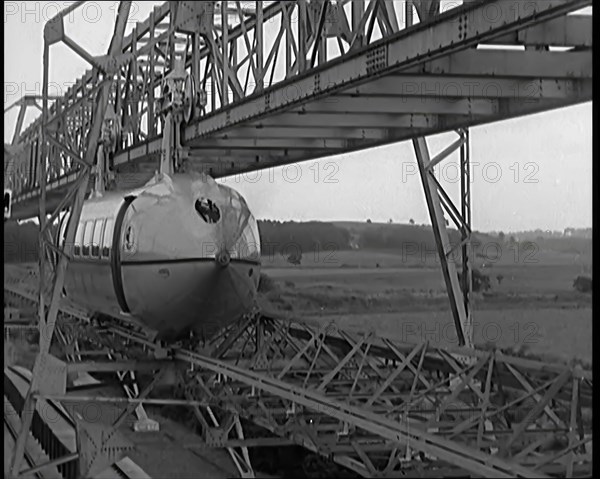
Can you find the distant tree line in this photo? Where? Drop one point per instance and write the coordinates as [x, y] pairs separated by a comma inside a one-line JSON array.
[[292, 239], [20, 242], [288, 238], [396, 237]]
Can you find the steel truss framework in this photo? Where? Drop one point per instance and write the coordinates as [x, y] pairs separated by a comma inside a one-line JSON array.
[[374, 404]]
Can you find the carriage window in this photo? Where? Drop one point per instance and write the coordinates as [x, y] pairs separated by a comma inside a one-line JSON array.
[[97, 239], [62, 229], [87, 238], [6, 204], [207, 210], [78, 239], [107, 238]]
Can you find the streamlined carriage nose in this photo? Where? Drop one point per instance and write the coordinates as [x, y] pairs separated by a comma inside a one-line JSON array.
[[180, 254], [205, 275]]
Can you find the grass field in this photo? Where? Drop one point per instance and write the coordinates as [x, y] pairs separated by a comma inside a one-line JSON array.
[[532, 308]]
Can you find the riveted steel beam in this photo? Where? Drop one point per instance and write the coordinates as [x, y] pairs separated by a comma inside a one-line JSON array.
[[376, 105], [509, 63]]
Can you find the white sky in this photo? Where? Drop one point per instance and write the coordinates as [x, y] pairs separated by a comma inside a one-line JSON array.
[[554, 148]]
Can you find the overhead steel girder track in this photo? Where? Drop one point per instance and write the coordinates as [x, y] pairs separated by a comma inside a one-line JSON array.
[[374, 403], [316, 89], [429, 77]]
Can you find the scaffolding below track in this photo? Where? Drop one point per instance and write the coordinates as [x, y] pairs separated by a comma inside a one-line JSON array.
[[374, 404]]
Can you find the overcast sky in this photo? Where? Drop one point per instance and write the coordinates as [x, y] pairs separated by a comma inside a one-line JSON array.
[[528, 173]]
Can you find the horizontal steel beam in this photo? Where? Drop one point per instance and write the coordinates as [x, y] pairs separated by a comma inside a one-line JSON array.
[[306, 132], [578, 91], [210, 156], [350, 120], [510, 63], [567, 31], [109, 366], [250, 442], [441, 86], [508, 108], [267, 143], [401, 104]]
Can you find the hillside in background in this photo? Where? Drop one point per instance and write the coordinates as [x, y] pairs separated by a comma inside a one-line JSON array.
[[290, 237]]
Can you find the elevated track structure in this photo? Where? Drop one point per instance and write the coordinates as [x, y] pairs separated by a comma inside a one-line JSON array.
[[234, 87]]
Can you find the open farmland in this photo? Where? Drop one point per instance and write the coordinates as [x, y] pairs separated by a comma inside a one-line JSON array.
[[531, 307]]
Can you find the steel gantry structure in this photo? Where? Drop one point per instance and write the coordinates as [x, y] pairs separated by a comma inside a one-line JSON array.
[[231, 87]]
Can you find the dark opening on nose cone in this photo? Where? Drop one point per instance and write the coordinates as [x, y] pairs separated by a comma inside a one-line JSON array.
[[223, 259]]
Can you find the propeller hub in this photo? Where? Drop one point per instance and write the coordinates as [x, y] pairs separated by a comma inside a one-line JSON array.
[[223, 259]]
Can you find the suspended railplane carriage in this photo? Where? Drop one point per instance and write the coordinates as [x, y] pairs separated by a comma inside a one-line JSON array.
[[179, 255]]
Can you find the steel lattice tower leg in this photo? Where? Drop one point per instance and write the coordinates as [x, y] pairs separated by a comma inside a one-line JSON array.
[[465, 231], [53, 33], [438, 201], [461, 310]]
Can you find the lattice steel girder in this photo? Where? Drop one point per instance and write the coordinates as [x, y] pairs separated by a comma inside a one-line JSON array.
[[573, 30], [420, 43], [467, 459], [508, 108], [231, 164], [375, 60], [493, 364]]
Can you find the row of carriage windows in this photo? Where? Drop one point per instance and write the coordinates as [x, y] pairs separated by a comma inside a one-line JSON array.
[[93, 238]]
